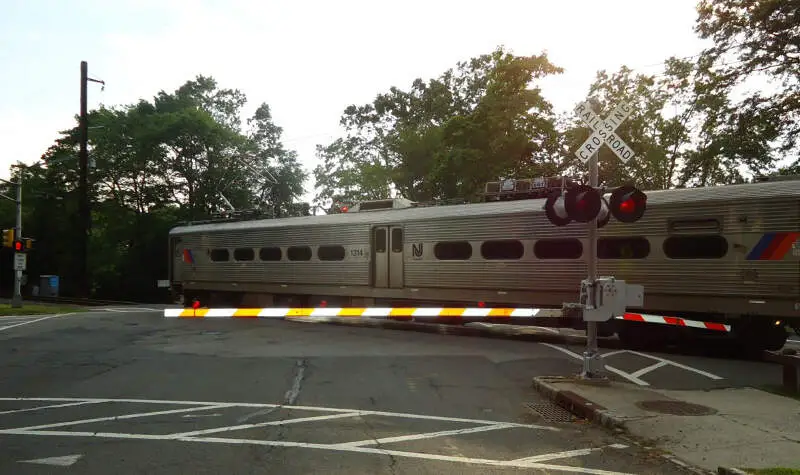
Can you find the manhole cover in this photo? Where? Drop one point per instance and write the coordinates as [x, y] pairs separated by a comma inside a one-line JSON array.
[[551, 412], [676, 408]]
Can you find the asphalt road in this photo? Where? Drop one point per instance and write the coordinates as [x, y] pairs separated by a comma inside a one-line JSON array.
[[130, 391]]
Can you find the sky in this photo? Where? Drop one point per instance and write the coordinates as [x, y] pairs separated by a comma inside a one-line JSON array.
[[308, 60]]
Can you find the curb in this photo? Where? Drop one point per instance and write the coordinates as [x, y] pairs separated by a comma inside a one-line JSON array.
[[600, 415], [456, 330], [578, 405]]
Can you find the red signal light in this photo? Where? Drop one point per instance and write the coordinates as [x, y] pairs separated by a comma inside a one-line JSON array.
[[583, 203], [628, 204], [18, 246]]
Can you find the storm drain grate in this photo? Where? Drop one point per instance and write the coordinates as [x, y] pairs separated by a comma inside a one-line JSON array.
[[551, 412]]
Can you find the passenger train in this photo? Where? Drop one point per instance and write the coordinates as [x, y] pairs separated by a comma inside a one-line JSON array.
[[723, 254]]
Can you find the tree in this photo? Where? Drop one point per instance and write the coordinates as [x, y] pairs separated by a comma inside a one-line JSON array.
[[754, 40], [156, 163], [444, 138], [276, 173]]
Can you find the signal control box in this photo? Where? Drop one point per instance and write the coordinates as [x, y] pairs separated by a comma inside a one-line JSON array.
[[611, 299]]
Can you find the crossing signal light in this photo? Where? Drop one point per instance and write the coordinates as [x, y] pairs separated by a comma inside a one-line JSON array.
[[8, 238], [580, 203], [19, 246], [583, 203], [555, 209], [628, 204]]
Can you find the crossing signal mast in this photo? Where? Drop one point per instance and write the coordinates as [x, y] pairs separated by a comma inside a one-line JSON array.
[[601, 298]]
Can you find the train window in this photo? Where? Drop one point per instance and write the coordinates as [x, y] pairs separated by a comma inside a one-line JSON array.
[[219, 255], [453, 251], [244, 254], [696, 247], [502, 249], [380, 240], [330, 253], [397, 240], [700, 225], [299, 253], [558, 249], [270, 254], [623, 248]]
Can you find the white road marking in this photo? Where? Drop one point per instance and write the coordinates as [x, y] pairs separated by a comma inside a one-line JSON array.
[[612, 353], [52, 406], [548, 329], [682, 366], [627, 376], [263, 424], [63, 461], [648, 369], [216, 414], [299, 408], [333, 447], [33, 321], [566, 454], [125, 416], [426, 435], [614, 370]]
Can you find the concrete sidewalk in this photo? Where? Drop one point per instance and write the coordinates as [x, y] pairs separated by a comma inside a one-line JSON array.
[[741, 427]]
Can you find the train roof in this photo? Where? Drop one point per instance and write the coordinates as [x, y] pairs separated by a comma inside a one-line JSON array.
[[769, 189]]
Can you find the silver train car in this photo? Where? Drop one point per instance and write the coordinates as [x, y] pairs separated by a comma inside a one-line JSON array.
[[726, 254]]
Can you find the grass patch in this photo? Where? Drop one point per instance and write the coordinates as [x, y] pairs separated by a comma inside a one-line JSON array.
[[773, 471], [37, 309]]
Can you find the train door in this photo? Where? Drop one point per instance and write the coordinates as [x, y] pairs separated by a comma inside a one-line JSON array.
[[387, 251], [176, 258]]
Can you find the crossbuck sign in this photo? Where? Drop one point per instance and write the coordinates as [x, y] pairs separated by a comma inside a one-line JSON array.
[[603, 132]]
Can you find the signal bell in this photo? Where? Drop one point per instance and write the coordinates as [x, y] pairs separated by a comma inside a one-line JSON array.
[[628, 204]]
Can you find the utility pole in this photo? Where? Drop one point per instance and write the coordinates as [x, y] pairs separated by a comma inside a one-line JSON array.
[[85, 216], [16, 300], [11, 239]]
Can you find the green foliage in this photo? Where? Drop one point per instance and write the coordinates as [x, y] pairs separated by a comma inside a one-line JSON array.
[[178, 157], [754, 40], [444, 138]]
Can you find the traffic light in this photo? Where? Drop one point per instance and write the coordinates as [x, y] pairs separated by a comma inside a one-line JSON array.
[[19, 245], [628, 204], [8, 238], [29, 243]]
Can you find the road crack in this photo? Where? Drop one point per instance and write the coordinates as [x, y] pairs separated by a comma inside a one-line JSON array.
[[392, 459], [289, 398]]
